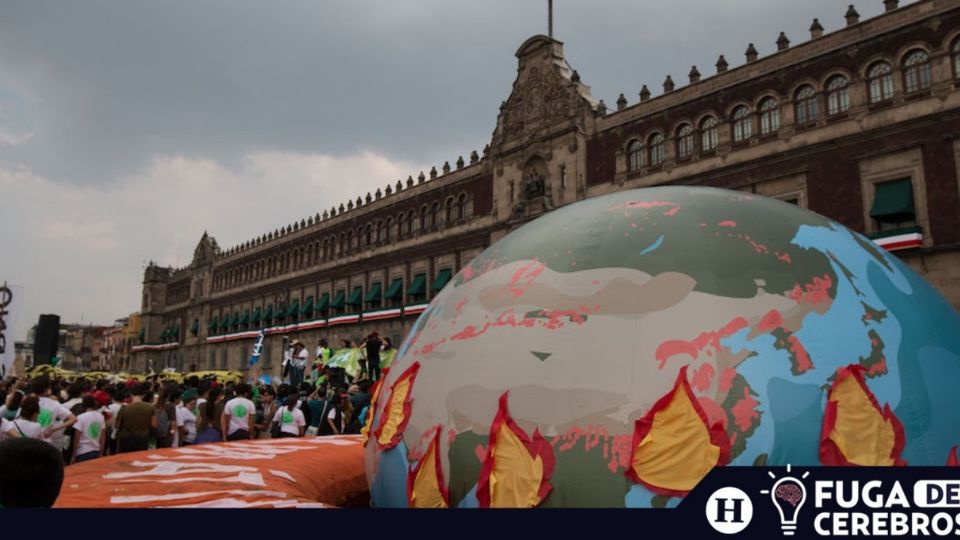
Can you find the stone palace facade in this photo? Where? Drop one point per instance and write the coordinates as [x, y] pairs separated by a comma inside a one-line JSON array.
[[861, 125]]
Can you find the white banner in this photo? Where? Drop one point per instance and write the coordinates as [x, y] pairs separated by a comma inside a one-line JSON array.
[[11, 300]]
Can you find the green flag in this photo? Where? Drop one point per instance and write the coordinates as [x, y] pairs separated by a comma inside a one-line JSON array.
[[347, 359], [386, 358]]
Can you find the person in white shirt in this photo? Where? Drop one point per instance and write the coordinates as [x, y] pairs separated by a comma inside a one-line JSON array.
[[186, 419], [236, 423], [53, 417], [26, 425], [89, 433], [290, 418]]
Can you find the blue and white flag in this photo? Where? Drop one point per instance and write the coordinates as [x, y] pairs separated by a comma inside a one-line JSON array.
[[257, 349]]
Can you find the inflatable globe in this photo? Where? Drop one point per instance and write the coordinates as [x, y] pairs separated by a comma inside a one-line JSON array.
[[611, 352]]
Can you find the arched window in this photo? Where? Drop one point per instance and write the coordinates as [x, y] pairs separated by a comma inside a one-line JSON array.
[[435, 216], [368, 237], [769, 116], [742, 128], [411, 222], [955, 53], [350, 242], [708, 134], [401, 225], [916, 71], [386, 231], [838, 95], [378, 237], [880, 82], [448, 213], [655, 149], [423, 219], [461, 207], [805, 104], [634, 156], [685, 141]]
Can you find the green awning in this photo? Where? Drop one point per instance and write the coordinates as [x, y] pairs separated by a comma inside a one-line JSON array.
[[293, 308], [213, 324], [245, 319], [396, 289], [338, 300], [255, 318], [893, 201], [307, 308], [373, 295], [442, 278], [142, 335], [175, 332], [195, 327], [419, 285], [268, 313], [235, 320], [165, 333], [356, 297], [324, 303]]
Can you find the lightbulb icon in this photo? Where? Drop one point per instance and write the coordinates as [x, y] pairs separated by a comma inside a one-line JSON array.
[[788, 495]]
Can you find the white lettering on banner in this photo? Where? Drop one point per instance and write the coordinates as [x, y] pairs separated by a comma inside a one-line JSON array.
[[10, 302]]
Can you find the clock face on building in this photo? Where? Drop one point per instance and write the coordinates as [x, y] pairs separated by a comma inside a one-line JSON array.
[[597, 343]]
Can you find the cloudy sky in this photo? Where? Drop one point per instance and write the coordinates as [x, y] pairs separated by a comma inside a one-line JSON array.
[[127, 128]]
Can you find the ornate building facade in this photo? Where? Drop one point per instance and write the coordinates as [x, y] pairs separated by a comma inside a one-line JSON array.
[[861, 125]]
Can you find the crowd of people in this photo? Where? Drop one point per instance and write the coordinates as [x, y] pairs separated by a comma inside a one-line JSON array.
[[85, 419]]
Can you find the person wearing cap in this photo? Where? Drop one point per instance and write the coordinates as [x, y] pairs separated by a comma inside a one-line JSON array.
[[186, 419]]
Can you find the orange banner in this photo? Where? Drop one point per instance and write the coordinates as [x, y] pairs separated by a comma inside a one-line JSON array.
[[311, 472]]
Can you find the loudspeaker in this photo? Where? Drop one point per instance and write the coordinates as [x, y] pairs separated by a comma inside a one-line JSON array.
[[47, 340]]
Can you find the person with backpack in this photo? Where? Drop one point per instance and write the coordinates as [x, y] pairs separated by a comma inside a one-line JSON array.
[[90, 433], [166, 414], [26, 426], [290, 418], [236, 423]]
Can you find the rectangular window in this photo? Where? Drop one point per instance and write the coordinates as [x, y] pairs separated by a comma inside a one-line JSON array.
[[893, 205]]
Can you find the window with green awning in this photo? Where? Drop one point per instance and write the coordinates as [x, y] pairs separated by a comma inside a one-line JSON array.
[[212, 325], [893, 201], [235, 320], [356, 297], [373, 295], [255, 318], [419, 285], [245, 319], [175, 332], [268, 313], [294, 308], [307, 309], [339, 299], [395, 290], [324, 303], [163, 335], [195, 327], [142, 335], [443, 276]]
